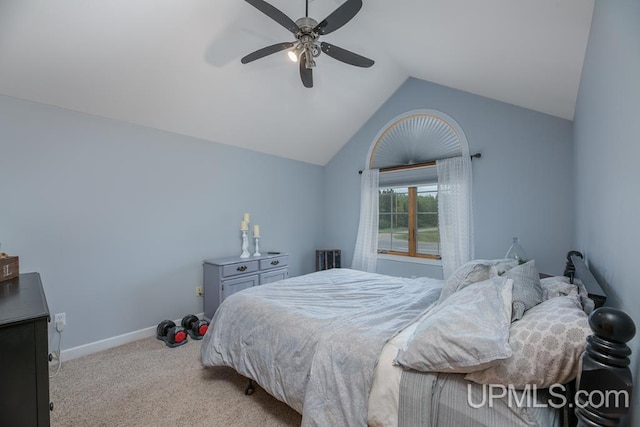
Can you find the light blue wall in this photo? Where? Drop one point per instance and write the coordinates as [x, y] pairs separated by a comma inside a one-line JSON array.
[[117, 218], [607, 152], [522, 184]]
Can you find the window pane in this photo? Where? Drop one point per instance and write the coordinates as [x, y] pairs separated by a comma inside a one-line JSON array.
[[393, 219], [384, 200], [400, 234], [428, 234], [400, 199]]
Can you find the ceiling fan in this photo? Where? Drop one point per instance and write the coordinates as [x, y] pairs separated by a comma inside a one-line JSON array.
[[307, 31]]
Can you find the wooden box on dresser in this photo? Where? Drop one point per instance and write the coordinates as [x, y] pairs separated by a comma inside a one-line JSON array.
[[24, 348], [225, 276]]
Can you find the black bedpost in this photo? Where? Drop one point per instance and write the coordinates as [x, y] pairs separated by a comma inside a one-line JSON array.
[[603, 387], [570, 269]]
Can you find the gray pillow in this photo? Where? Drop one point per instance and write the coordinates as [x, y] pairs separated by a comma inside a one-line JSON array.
[[475, 271], [466, 274], [466, 332], [527, 291]]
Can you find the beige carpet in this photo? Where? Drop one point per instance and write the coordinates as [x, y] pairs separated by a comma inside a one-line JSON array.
[[146, 383]]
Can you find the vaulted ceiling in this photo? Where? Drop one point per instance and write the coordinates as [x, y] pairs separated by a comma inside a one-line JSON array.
[[175, 65]]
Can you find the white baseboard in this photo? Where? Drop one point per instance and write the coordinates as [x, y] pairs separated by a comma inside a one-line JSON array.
[[107, 343]]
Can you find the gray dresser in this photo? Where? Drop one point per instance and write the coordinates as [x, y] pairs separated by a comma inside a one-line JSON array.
[[225, 276]]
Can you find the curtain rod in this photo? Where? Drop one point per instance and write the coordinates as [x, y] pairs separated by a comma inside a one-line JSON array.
[[418, 165]]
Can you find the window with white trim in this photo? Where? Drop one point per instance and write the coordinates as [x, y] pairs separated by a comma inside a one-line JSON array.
[[405, 152]]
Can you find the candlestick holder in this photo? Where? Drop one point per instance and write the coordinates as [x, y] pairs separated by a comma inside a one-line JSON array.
[[245, 245], [257, 240]]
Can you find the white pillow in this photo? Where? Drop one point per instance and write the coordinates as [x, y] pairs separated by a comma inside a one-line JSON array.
[[466, 332], [556, 286]]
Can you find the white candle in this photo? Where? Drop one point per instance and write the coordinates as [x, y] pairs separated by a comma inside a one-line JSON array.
[[244, 226], [256, 230], [246, 217]]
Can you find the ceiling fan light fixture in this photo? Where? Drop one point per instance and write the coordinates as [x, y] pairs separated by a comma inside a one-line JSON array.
[[307, 30]]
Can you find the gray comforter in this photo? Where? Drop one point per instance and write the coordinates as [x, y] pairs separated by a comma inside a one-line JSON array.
[[313, 341]]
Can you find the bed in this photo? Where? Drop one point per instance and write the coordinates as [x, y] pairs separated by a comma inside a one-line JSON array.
[[344, 347]]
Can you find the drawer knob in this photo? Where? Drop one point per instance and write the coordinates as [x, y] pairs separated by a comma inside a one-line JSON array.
[[276, 262], [242, 268], [51, 406]]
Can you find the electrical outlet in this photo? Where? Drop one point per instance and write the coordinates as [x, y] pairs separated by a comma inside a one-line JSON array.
[[199, 291], [60, 321]]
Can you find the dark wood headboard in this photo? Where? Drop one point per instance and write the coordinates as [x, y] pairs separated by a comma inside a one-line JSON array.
[[577, 268], [605, 362]]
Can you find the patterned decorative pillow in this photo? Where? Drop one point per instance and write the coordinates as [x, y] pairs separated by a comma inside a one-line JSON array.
[[547, 344], [527, 292], [466, 332]]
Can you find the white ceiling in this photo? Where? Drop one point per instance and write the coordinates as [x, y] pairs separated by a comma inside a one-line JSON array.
[[175, 64]]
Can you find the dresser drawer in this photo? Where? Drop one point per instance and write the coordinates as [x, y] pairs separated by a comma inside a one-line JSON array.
[[276, 262], [231, 270]]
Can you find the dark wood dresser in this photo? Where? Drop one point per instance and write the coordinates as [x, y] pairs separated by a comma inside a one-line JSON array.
[[24, 348]]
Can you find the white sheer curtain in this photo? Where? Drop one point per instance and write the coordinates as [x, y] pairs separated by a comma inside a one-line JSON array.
[[365, 254], [455, 212]]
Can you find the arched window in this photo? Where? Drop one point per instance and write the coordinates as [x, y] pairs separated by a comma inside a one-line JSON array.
[[419, 136], [410, 152]]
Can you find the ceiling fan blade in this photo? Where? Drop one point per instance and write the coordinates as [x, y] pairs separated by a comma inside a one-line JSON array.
[[306, 74], [261, 53], [346, 56], [339, 17], [275, 14]]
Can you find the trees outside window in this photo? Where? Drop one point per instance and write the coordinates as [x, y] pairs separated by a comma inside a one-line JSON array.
[[408, 221]]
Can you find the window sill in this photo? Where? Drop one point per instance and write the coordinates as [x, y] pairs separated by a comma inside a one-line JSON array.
[[414, 260]]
